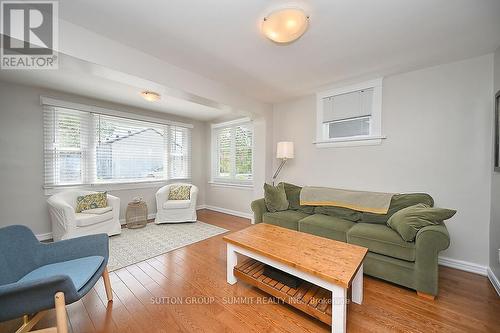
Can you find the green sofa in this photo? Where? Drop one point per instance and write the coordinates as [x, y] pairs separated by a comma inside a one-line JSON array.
[[410, 264]]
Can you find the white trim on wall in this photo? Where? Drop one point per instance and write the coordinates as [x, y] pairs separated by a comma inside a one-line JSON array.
[[227, 211], [463, 265], [494, 281]]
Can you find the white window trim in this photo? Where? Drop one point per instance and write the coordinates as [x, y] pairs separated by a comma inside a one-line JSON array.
[[231, 185], [112, 186], [118, 185], [44, 100], [374, 138], [225, 182]]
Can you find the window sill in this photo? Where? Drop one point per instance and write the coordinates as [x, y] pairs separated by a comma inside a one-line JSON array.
[[231, 185], [350, 142], [50, 190]]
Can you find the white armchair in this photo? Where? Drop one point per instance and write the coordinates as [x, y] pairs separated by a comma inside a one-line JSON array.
[[175, 211], [66, 223]]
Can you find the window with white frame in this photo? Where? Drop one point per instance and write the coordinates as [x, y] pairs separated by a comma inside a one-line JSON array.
[[83, 148], [350, 113], [232, 152]]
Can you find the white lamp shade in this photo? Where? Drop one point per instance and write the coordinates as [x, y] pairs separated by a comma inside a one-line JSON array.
[[284, 149]]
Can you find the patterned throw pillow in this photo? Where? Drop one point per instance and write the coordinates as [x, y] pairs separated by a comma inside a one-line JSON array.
[[91, 201], [179, 192]]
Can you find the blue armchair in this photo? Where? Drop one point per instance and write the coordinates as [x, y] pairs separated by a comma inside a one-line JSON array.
[[35, 276]]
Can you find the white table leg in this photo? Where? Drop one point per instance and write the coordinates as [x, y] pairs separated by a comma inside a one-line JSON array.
[[339, 309], [232, 261], [357, 286]]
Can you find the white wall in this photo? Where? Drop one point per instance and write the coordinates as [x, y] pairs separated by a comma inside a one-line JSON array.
[[439, 140], [495, 194], [22, 199]]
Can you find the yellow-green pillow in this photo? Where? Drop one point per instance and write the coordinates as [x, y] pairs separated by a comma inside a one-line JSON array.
[[179, 192], [408, 221], [91, 201]]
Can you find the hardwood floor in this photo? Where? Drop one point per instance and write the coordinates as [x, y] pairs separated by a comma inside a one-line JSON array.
[[186, 291]]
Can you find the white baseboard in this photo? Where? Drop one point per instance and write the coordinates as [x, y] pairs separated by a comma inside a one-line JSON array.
[[44, 237], [150, 217], [463, 265], [494, 281], [227, 211]]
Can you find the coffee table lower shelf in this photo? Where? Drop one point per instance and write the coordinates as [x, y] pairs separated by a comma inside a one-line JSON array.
[[308, 298]]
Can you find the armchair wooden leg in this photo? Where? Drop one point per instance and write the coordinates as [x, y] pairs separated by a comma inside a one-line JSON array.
[[107, 285], [62, 321], [28, 322], [61, 318]]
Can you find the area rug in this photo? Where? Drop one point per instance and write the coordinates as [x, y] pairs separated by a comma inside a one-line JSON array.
[[135, 245]]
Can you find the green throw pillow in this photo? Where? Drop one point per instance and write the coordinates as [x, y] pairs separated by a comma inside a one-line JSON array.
[[408, 221], [293, 197], [341, 212], [91, 201], [275, 198], [179, 192]]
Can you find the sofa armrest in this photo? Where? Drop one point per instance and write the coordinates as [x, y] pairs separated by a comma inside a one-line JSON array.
[[429, 242], [258, 208], [161, 196], [62, 213], [114, 202], [433, 237], [193, 196], [74, 248]]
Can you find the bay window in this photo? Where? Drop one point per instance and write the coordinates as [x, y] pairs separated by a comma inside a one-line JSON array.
[[84, 148]]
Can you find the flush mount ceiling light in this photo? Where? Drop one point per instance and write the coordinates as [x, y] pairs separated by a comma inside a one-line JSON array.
[[285, 25], [150, 96]]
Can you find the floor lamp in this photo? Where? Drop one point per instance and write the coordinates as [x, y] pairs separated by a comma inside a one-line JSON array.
[[284, 151]]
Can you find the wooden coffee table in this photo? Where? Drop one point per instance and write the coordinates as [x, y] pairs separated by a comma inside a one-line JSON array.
[[329, 268]]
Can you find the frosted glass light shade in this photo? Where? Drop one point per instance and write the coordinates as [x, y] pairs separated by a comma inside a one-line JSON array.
[[150, 96], [284, 150], [285, 25]]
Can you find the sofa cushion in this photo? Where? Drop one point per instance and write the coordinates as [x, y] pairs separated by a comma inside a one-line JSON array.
[[293, 197], [79, 270], [340, 212], [83, 220], [398, 202], [287, 218], [98, 210], [326, 226], [408, 221], [381, 239], [176, 204]]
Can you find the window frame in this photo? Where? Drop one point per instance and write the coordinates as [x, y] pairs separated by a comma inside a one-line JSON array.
[[231, 180], [88, 179], [374, 137]]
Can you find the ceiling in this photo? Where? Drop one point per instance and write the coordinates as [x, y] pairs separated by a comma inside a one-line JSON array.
[[220, 39], [80, 77]]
